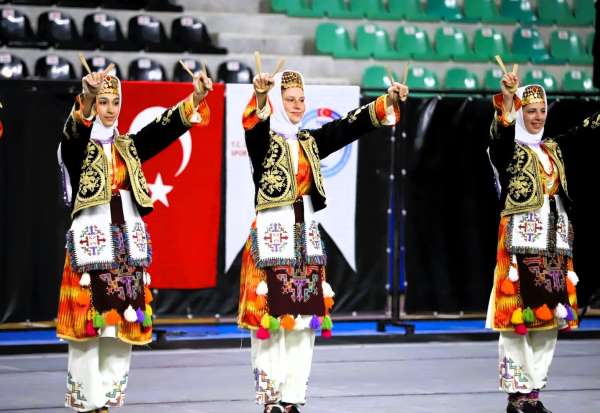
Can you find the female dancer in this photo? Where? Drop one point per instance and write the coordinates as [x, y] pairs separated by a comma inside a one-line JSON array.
[[534, 284], [104, 304], [284, 297]]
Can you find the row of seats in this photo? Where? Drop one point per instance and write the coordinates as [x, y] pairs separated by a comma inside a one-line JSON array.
[[460, 78], [103, 31], [54, 67], [150, 5], [453, 43], [510, 11]]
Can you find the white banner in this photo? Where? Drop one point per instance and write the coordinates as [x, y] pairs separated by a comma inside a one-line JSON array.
[[323, 104]]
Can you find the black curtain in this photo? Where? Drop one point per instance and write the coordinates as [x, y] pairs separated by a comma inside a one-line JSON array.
[[442, 179]]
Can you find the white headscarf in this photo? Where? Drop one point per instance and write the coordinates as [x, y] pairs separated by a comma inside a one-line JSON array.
[[280, 122], [521, 133], [106, 134]]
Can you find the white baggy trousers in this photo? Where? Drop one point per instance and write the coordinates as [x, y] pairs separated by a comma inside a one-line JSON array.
[[97, 375], [281, 365], [525, 360]]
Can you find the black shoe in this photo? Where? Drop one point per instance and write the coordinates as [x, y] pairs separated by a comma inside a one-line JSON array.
[[292, 408], [525, 407], [540, 408], [274, 408]]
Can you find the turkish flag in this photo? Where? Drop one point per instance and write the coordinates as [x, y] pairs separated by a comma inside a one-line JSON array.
[[185, 183]]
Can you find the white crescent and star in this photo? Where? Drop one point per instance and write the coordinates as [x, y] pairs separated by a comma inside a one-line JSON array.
[[159, 189]]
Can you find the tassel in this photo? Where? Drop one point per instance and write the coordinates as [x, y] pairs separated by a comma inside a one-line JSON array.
[[543, 313], [85, 280], [148, 311], [262, 333], [112, 317], [507, 287], [147, 295], [528, 315], [265, 321], [140, 315], [513, 274], [560, 311], [570, 313], [521, 329], [147, 321], [571, 275], [299, 323], [328, 302], [326, 334], [130, 314], [84, 298], [517, 316], [99, 321], [327, 324], [147, 278], [570, 287], [287, 322], [273, 324], [262, 288], [90, 331], [327, 290], [315, 324]]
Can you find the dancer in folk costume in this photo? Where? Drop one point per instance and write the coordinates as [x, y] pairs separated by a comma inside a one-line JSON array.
[[284, 296], [534, 283], [104, 305]]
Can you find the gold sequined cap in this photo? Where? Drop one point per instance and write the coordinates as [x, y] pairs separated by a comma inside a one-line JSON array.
[[291, 79], [110, 86], [533, 94]]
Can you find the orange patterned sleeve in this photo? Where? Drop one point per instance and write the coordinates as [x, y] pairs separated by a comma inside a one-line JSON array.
[[386, 116], [194, 116], [505, 118], [252, 115]]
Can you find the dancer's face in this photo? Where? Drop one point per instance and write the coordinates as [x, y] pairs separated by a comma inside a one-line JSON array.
[[293, 103], [534, 117], [108, 107]]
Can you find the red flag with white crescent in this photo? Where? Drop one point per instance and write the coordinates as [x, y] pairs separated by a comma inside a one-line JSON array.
[[185, 184]]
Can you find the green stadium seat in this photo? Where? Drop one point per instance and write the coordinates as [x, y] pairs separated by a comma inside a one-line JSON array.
[[374, 41], [413, 42], [334, 39], [444, 10], [452, 43], [577, 81], [335, 9], [461, 78], [372, 9], [491, 79], [520, 10], [528, 44], [584, 12], [486, 11], [590, 42], [488, 42], [375, 77], [422, 78], [409, 10], [555, 12], [566, 45], [540, 77], [279, 6], [300, 8]]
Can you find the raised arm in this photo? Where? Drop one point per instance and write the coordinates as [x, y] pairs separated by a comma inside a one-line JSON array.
[[384, 111], [172, 123], [502, 130], [256, 118]]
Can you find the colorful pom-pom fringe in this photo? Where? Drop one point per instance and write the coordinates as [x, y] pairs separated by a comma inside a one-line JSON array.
[[262, 333]]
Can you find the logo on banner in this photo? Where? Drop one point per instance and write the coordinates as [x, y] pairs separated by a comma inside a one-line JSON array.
[[159, 189], [338, 160]]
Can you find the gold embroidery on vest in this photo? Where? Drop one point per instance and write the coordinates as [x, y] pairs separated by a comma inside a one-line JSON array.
[[276, 186], [93, 188], [309, 144], [139, 186]]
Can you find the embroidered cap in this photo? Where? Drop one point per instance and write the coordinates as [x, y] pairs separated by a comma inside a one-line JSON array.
[[110, 86], [291, 79], [533, 94]]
